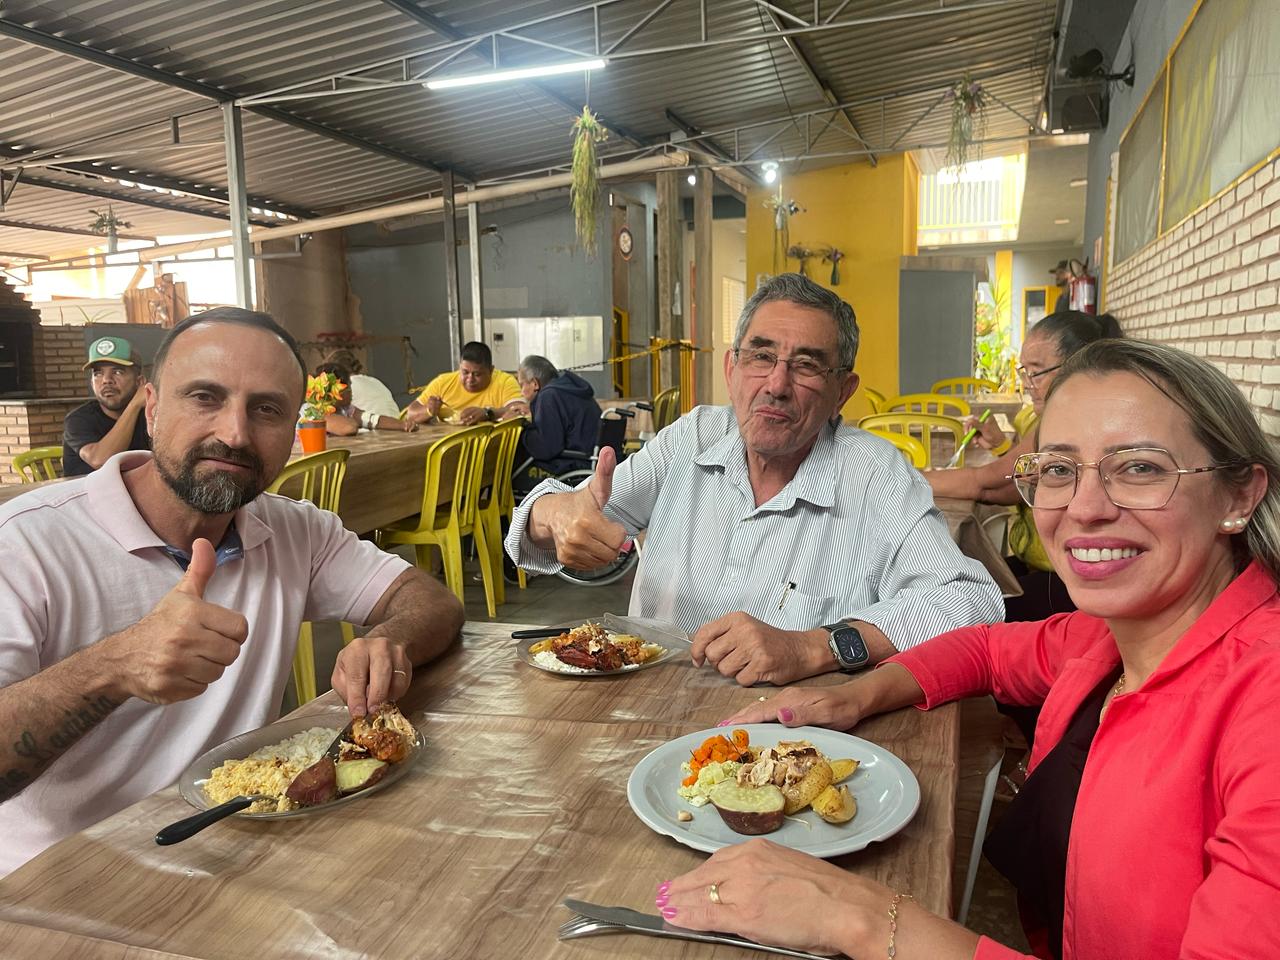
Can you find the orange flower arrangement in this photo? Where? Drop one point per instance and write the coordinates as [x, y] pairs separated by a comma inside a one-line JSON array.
[[324, 392]]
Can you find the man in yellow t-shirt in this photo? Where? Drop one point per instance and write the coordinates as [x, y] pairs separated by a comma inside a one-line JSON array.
[[473, 393]]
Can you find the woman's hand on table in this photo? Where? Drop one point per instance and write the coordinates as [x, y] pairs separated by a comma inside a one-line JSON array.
[[779, 896], [775, 895], [989, 434], [371, 670], [837, 707]]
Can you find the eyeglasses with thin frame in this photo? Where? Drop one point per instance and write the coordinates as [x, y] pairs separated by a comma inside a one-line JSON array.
[[1030, 376], [760, 363], [1141, 478]]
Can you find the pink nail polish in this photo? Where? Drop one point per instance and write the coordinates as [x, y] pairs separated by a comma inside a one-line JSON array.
[[723, 723], [664, 886], [660, 900], [785, 715], [668, 913]]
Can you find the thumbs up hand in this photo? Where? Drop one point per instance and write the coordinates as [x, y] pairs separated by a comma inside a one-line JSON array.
[[180, 647], [584, 538]]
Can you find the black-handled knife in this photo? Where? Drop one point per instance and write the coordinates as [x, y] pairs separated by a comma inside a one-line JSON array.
[[541, 633], [185, 829]]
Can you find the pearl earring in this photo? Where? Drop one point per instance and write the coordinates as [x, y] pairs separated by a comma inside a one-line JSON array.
[[1227, 525], [1236, 524], [1240, 522]]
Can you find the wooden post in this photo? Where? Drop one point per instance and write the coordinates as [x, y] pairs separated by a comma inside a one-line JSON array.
[[451, 269], [670, 325], [702, 331]]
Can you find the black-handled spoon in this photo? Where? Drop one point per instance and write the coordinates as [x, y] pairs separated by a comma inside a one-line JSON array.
[[185, 829]]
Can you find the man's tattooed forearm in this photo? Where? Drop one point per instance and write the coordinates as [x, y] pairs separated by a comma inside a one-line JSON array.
[[74, 725]]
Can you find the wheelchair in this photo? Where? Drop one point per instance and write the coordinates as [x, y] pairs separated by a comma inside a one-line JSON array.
[[612, 432]]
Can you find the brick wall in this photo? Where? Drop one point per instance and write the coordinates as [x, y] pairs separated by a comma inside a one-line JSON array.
[[1212, 286], [30, 423], [59, 355]]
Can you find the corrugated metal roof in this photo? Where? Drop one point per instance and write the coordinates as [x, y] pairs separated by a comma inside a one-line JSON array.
[[53, 101]]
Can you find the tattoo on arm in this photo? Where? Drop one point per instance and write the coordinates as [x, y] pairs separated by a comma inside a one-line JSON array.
[[34, 751]]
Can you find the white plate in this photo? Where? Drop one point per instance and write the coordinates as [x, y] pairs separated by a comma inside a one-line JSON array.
[[191, 783], [884, 787], [523, 654]]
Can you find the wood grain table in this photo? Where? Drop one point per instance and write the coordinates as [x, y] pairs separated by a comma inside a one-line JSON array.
[[518, 802]]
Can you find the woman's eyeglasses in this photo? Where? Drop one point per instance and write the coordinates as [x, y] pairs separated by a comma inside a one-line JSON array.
[[1143, 478], [1030, 375]]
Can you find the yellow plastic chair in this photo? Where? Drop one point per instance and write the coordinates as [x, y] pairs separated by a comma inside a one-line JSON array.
[[875, 399], [458, 457], [911, 448], [920, 425], [497, 499], [964, 385], [926, 403], [316, 478], [39, 463], [666, 408]]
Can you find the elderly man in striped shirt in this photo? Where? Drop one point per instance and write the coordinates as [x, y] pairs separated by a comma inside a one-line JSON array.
[[786, 542]]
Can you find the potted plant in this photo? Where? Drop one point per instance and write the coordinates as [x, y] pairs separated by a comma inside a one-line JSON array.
[[324, 393]]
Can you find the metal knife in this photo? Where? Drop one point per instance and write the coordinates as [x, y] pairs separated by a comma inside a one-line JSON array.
[[650, 631], [655, 926]]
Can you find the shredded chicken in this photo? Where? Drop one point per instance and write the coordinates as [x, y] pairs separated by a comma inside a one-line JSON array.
[[783, 765]]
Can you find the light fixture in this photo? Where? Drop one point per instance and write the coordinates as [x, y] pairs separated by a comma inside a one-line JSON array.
[[1078, 182], [1061, 220], [520, 73], [693, 179], [1057, 130], [770, 168]]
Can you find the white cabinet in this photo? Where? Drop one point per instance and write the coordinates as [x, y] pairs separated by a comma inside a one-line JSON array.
[[576, 342]]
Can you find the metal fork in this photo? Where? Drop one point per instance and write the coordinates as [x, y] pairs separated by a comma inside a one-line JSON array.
[[577, 926]]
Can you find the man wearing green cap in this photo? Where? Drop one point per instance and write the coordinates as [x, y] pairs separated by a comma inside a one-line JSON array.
[[112, 421]]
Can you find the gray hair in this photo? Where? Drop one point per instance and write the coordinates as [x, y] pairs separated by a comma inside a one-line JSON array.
[[534, 367], [1221, 422], [799, 289]]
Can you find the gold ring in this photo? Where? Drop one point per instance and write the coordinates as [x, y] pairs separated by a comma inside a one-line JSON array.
[[713, 892], [762, 699]]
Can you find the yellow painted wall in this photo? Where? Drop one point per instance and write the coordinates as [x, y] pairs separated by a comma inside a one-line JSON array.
[[868, 213]]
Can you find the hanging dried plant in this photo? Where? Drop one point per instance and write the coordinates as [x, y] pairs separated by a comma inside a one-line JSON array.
[[833, 257], [798, 251], [783, 211], [107, 224], [969, 102], [584, 189]]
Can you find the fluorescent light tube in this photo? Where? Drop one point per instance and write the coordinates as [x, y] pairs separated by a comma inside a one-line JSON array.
[[522, 73]]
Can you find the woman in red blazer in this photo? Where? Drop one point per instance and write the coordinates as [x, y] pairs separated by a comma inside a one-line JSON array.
[[1149, 826]]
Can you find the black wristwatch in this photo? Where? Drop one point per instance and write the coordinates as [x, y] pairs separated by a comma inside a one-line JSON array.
[[847, 646]]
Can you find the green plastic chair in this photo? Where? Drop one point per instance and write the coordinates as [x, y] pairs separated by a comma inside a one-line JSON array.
[[317, 479], [39, 463], [458, 457]]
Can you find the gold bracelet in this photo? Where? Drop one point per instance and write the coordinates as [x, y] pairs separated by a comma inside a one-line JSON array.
[[893, 921], [1001, 450]]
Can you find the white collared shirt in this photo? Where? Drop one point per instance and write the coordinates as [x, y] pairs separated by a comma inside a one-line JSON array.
[[855, 531]]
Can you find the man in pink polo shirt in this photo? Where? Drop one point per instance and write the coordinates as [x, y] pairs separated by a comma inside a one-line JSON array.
[[129, 644]]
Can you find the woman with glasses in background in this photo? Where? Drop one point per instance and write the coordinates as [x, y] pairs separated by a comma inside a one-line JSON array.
[[1047, 347], [1150, 822]]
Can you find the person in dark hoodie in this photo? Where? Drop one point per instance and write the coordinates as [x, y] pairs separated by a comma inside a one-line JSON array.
[[564, 412]]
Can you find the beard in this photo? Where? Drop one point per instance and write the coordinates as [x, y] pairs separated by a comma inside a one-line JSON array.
[[117, 403], [213, 491]]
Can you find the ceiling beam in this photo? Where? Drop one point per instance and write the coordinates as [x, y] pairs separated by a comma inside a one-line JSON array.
[[50, 228], [90, 191], [444, 29], [112, 61], [793, 45], [739, 180]]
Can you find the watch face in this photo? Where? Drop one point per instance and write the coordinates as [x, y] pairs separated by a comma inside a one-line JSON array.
[[625, 243]]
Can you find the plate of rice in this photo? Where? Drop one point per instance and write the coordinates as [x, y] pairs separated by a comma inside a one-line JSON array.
[[266, 760], [586, 650]]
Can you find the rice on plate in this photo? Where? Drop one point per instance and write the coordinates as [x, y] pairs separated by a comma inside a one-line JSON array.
[[269, 770]]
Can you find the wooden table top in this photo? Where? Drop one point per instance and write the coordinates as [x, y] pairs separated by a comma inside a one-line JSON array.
[[519, 802]]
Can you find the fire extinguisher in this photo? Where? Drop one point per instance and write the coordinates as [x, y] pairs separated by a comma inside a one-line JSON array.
[[1083, 288]]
